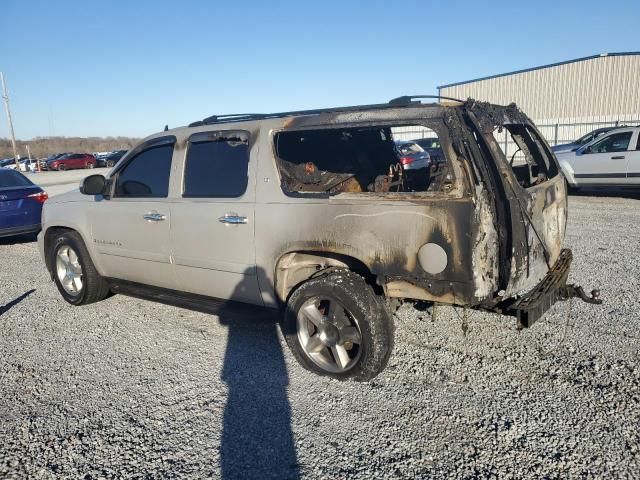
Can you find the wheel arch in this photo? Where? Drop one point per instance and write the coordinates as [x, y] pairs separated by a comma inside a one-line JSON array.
[[50, 234], [295, 267]]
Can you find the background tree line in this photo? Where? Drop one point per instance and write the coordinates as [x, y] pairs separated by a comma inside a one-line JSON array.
[[44, 146]]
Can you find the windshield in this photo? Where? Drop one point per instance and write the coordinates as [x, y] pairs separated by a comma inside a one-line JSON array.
[[585, 138], [409, 148], [430, 143], [592, 135]]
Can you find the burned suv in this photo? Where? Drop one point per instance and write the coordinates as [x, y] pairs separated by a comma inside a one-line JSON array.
[[313, 213]]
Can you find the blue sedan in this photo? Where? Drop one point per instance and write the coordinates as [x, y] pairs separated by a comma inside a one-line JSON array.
[[20, 204]]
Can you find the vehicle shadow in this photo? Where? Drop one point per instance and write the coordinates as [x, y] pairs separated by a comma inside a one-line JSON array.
[[18, 239], [257, 439], [6, 307]]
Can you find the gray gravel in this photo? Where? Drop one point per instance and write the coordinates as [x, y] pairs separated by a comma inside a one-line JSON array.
[[129, 388]]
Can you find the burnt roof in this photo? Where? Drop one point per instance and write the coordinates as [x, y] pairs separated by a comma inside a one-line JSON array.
[[407, 100]]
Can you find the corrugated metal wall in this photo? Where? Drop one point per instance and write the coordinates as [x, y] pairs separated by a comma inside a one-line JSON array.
[[598, 89]]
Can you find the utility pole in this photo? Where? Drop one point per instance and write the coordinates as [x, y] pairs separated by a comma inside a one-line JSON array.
[[5, 97]]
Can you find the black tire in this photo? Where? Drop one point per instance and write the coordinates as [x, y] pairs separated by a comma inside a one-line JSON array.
[[110, 163], [373, 320], [61, 168], [89, 165], [94, 287]]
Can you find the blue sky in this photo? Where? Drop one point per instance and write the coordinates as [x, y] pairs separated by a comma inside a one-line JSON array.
[[129, 67]]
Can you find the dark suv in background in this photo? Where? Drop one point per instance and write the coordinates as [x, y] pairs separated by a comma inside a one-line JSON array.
[[110, 159], [432, 147]]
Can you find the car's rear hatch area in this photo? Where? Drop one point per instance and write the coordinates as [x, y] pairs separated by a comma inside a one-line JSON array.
[[530, 196]]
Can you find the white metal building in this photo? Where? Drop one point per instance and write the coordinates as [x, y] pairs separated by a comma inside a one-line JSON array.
[[565, 99]]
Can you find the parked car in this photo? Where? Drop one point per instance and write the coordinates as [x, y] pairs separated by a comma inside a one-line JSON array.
[[72, 160], [110, 159], [27, 164], [8, 163], [583, 140], [20, 204], [612, 159], [411, 155], [44, 164], [276, 211], [432, 147]]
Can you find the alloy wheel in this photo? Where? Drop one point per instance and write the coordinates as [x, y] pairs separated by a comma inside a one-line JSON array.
[[329, 334], [69, 270]]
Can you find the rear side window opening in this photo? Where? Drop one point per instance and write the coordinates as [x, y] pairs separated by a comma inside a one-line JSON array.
[[373, 159], [524, 150]]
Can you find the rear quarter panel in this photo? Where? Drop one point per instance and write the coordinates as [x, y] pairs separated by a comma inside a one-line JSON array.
[[383, 231]]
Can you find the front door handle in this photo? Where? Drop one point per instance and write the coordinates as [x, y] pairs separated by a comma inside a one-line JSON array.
[[154, 217], [618, 157], [232, 218]]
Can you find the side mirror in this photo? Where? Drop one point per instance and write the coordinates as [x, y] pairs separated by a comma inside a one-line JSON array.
[[93, 185]]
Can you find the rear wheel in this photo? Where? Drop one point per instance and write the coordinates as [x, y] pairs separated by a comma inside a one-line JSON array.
[[110, 163], [337, 326], [73, 271], [89, 165]]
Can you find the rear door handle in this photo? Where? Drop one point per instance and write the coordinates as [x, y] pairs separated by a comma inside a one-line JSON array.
[[618, 157], [154, 217], [232, 218]]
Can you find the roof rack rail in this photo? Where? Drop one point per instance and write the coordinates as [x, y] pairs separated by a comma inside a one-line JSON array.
[[409, 99], [241, 117]]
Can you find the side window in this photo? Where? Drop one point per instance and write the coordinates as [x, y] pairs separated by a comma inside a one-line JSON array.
[[638, 142], [369, 159], [147, 174], [216, 166], [617, 142]]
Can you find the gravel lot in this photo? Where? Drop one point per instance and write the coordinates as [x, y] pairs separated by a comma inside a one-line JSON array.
[[129, 388]]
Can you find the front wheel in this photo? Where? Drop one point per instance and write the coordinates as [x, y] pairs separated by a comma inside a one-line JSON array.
[[110, 163], [61, 167], [335, 325], [89, 165], [76, 277]]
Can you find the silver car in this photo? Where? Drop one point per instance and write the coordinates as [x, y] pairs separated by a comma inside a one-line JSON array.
[[306, 213]]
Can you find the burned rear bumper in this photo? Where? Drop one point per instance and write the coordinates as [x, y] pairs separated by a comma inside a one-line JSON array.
[[553, 287]]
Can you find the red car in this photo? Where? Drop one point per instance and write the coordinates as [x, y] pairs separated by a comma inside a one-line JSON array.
[[72, 160]]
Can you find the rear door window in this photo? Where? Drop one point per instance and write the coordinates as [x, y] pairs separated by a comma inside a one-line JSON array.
[[217, 165]]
